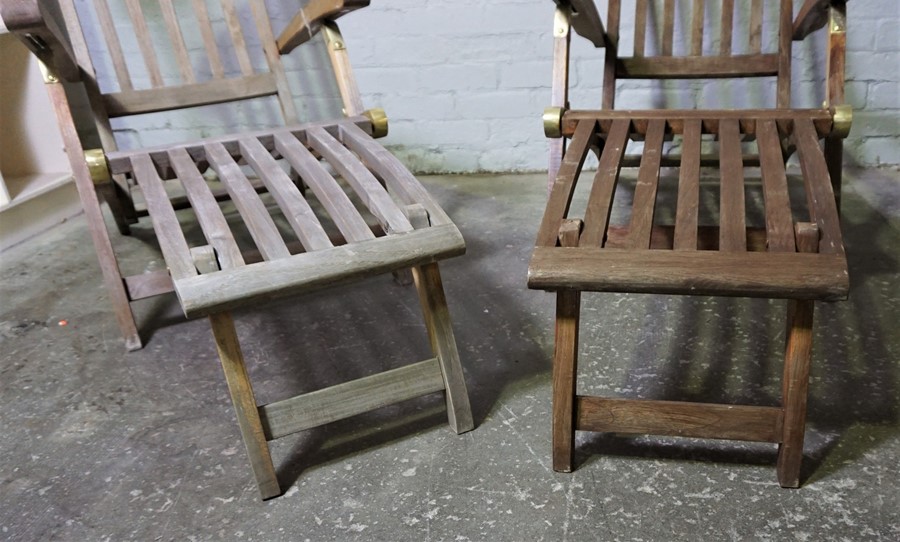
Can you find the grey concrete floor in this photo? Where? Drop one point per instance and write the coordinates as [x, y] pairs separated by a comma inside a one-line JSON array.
[[97, 444]]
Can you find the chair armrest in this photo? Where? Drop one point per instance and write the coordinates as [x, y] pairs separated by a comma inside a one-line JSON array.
[[309, 20], [812, 16], [585, 20], [30, 22]]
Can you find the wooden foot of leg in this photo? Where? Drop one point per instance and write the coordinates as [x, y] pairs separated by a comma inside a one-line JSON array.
[[565, 363], [244, 404], [443, 343], [795, 387]]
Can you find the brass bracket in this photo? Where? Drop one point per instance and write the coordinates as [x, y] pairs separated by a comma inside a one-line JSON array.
[[379, 121], [333, 36], [50, 78], [561, 23], [837, 20], [841, 120], [553, 117], [97, 166]]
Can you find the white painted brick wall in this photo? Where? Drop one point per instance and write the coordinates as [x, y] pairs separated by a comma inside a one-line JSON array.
[[464, 82], [481, 73]]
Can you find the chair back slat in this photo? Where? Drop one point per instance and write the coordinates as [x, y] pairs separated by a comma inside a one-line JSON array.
[[756, 21], [194, 52], [209, 39], [181, 54], [697, 28], [237, 37], [727, 27], [108, 29], [142, 33], [746, 39]]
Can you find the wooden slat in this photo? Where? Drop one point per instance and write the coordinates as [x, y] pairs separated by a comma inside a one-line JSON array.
[[756, 21], [697, 67], [273, 59], [350, 398], [325, 187], [399, 180], [559, 89], [732, 219], [697, 14], [596, 215], [563, 187], [751, 274], [295, 209], [668, 27], [168, 231], [133, 102], [727, 27], [210, 216], [688, 188], [263, 230], [251, 284], [119, 161], [640, 27], [237, 36], [663, 237], [609, 67], [366, 186], [181, 54], [783, 90], [821, 118], [644, 204], [682, 419], [145, 43], [779, 222], [209, 39], [819, 192], [108, 27]]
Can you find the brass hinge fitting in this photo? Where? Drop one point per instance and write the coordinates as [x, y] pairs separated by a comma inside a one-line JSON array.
[[841, 120], [553, 117], [97, 165], [379, 121]]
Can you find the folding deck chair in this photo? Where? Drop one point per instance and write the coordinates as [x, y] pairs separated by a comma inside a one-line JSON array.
[[797, 255], [297, 164]]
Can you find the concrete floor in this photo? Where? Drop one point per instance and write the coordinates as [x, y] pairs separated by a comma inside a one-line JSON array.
[[97, 444]]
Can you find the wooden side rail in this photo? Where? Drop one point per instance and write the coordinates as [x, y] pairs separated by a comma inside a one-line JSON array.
[[39, 31], [308, 21]]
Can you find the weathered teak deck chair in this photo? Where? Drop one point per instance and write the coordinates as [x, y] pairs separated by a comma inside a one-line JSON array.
[[215, 275], [798, 258]]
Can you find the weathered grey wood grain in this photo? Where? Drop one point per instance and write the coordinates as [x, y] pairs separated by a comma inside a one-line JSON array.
[[745, 274], [270, 280], [294, 207], [350, 398]]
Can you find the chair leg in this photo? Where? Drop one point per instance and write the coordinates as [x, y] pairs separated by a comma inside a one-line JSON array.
[[565, 363], [795, 387], [443, 344], [244, 404]]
